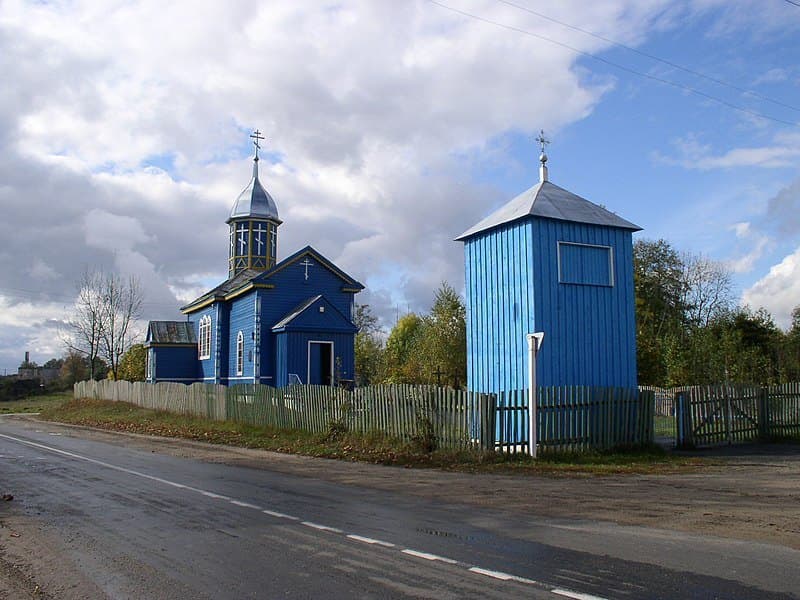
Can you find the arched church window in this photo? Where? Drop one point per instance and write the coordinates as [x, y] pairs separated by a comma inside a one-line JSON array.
[[204, 337], [239, 353]]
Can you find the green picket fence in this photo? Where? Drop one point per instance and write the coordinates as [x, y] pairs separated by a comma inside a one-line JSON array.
[[446, 418], [576, 418], [569, 418]]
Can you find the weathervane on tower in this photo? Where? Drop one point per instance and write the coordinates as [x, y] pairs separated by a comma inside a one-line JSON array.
[[542, 157]]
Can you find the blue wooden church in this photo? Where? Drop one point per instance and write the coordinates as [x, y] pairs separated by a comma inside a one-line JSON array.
[[271, 322], [550, 261]]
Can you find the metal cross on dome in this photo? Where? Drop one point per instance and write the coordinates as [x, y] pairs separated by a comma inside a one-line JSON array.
[[257, 137], [307, 263]]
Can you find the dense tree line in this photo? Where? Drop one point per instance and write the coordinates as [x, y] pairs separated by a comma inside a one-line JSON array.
[[691, 331], [429, 349]]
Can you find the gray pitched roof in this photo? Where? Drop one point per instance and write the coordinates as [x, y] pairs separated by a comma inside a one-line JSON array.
[[227, 286], [550, 201], [295, 312], [254, 201], [171, 332]]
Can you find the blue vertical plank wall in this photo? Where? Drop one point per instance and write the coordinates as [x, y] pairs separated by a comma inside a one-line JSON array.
[[177, 364], [500, 306], [290, 284], [514, 287], [590, 328], [206, 367], [292, 353], [241, 319]]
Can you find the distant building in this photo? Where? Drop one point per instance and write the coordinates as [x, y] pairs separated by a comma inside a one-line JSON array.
[[550, 261], [29, 370], [272, 322]]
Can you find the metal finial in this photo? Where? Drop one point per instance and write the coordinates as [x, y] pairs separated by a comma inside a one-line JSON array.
[[256, 135], [542, 157], [543, 142]]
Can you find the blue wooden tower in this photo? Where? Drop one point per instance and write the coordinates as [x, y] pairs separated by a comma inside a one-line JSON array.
[[550, 261], [270, 322]]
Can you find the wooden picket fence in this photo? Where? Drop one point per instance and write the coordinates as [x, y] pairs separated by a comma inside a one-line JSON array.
[[733, 413], [443, 418], [576, 418], [569, 418]]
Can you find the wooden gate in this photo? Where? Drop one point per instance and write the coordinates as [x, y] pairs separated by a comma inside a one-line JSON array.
[[722, 414]]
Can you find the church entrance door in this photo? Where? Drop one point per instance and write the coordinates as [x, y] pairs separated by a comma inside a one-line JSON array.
[[320, 363]]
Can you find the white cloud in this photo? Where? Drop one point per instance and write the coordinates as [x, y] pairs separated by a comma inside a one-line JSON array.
[[123, 134], [779, 290], [694, 154]]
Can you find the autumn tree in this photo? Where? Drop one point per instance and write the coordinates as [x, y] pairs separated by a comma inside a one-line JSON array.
[[74, 368], [444, 344], [133, 363], [403, 361], [659, 287], [368, 346]]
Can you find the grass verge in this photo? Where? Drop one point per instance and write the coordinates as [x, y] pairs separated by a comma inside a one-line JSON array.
[[34, 404], [373, 448]]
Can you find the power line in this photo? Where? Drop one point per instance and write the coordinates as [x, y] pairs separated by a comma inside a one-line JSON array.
[[793, 3], [674, 84], [664, 61]]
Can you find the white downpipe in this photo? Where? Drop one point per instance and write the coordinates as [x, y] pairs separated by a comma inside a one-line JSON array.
[[534, 345]]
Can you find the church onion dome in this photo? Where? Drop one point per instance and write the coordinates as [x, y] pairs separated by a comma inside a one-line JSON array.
[[254, 201]]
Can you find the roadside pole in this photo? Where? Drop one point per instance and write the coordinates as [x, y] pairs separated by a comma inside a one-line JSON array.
[[534, 344]]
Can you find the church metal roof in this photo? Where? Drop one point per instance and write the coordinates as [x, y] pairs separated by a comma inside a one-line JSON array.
[[295, 312], [171, 332], [553, 202], [254, 201]]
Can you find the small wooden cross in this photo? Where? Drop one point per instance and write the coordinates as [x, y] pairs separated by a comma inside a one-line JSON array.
[[307, 263], [256, 135], [438, 373]]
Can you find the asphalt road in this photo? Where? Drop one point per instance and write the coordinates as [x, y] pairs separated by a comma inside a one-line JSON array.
[[141, 524]]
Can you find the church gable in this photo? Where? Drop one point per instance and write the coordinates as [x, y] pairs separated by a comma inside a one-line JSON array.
[[305, 264], [316, 313]]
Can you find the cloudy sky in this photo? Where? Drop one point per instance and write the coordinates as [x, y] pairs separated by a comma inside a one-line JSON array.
[[392, 126]]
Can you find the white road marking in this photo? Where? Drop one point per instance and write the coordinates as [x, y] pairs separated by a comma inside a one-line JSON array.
[[54, 433], [361, 538], [321, 527], [244, 504], [503, 576], [215, 496], [427, 556], [280, 515], [408, 551], [576, 595]]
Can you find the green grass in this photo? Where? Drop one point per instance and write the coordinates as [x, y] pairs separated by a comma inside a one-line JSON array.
[[373, 448], [664, 426], [33, 404]]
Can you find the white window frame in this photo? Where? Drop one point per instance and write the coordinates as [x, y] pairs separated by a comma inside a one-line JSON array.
[[204, 338], [239, 353], [610, 249]]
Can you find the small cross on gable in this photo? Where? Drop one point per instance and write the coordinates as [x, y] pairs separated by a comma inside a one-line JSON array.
[[307, 263]]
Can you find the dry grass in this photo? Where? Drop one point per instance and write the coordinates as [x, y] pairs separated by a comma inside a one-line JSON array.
[[373, 448]]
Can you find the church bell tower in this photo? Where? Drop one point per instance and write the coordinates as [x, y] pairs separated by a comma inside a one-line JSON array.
[[253, 225]]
